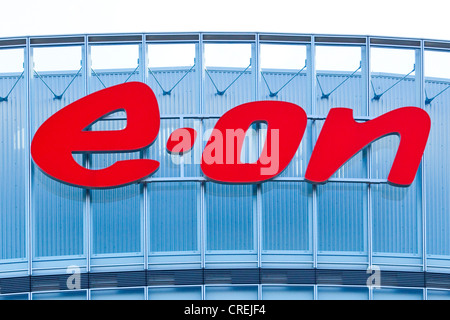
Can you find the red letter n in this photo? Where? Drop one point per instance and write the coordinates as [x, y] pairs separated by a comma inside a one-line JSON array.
[[342, 137]]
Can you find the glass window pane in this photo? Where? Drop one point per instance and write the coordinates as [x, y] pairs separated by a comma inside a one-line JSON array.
[[116, 213], [172, 75], [342, 216], [437, 153], [284, 74], [286, 214], [229, 217], [178, 293], [57, 208], [287, 293], [396, 219], [397, 294], [113, 64], [339, 79], [14, 296], [393, 82], [169, 164], [118, 294], [438, 295], [173, 216], [231, 293], [228, 79], [342, 293], [64, 295], [13, 150]]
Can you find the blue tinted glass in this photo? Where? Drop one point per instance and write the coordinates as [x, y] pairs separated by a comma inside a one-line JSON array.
[[286, 212], [341, 293], [178, 293], [231, 293], [229, 216], [173, 216], [287, 293], [64, 295], [118, 294], [397, 294], [342, 216]]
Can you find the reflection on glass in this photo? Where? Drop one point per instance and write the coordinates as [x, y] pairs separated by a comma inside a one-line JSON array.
[[437, 152]]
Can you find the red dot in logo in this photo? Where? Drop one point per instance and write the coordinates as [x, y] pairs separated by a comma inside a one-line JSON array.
[[181, 140]]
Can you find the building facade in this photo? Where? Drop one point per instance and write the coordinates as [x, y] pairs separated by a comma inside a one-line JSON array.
[[178, 235]]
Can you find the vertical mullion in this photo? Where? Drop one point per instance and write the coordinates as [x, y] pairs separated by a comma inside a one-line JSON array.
[[368, 159], [28, 59], [256, 63], [422, 167], [312, 67], [87, 79], [201, 82], [143, 61]]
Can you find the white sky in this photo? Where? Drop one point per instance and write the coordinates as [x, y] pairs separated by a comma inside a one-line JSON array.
[[407, 18], [417, 19]]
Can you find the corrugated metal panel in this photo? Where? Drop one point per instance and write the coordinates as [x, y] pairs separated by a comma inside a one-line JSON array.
[[356, 167], [342, 216], [110, 78], [437, 171], [173, 210], [57, 208], [13, 178], [182, 99], [239, 93], [169, 164], [396, 219], [116, 213], [397, 211], [296, 91], [348, 95], [286, 215], [229, 217]]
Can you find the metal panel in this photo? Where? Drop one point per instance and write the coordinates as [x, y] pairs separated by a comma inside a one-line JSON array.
[[342, 213], [437, 171], [229, 217], [181, 100], [13, 177], [173, 210], [57, 209], [286, 215], [239, 93]]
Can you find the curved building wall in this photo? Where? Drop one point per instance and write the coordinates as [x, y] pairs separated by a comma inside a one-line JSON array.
[[179, 235]]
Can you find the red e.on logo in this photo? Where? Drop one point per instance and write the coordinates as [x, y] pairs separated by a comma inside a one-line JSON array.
[[340, 139]]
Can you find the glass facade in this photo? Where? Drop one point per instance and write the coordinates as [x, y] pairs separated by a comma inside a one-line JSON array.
[[177, 220]]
